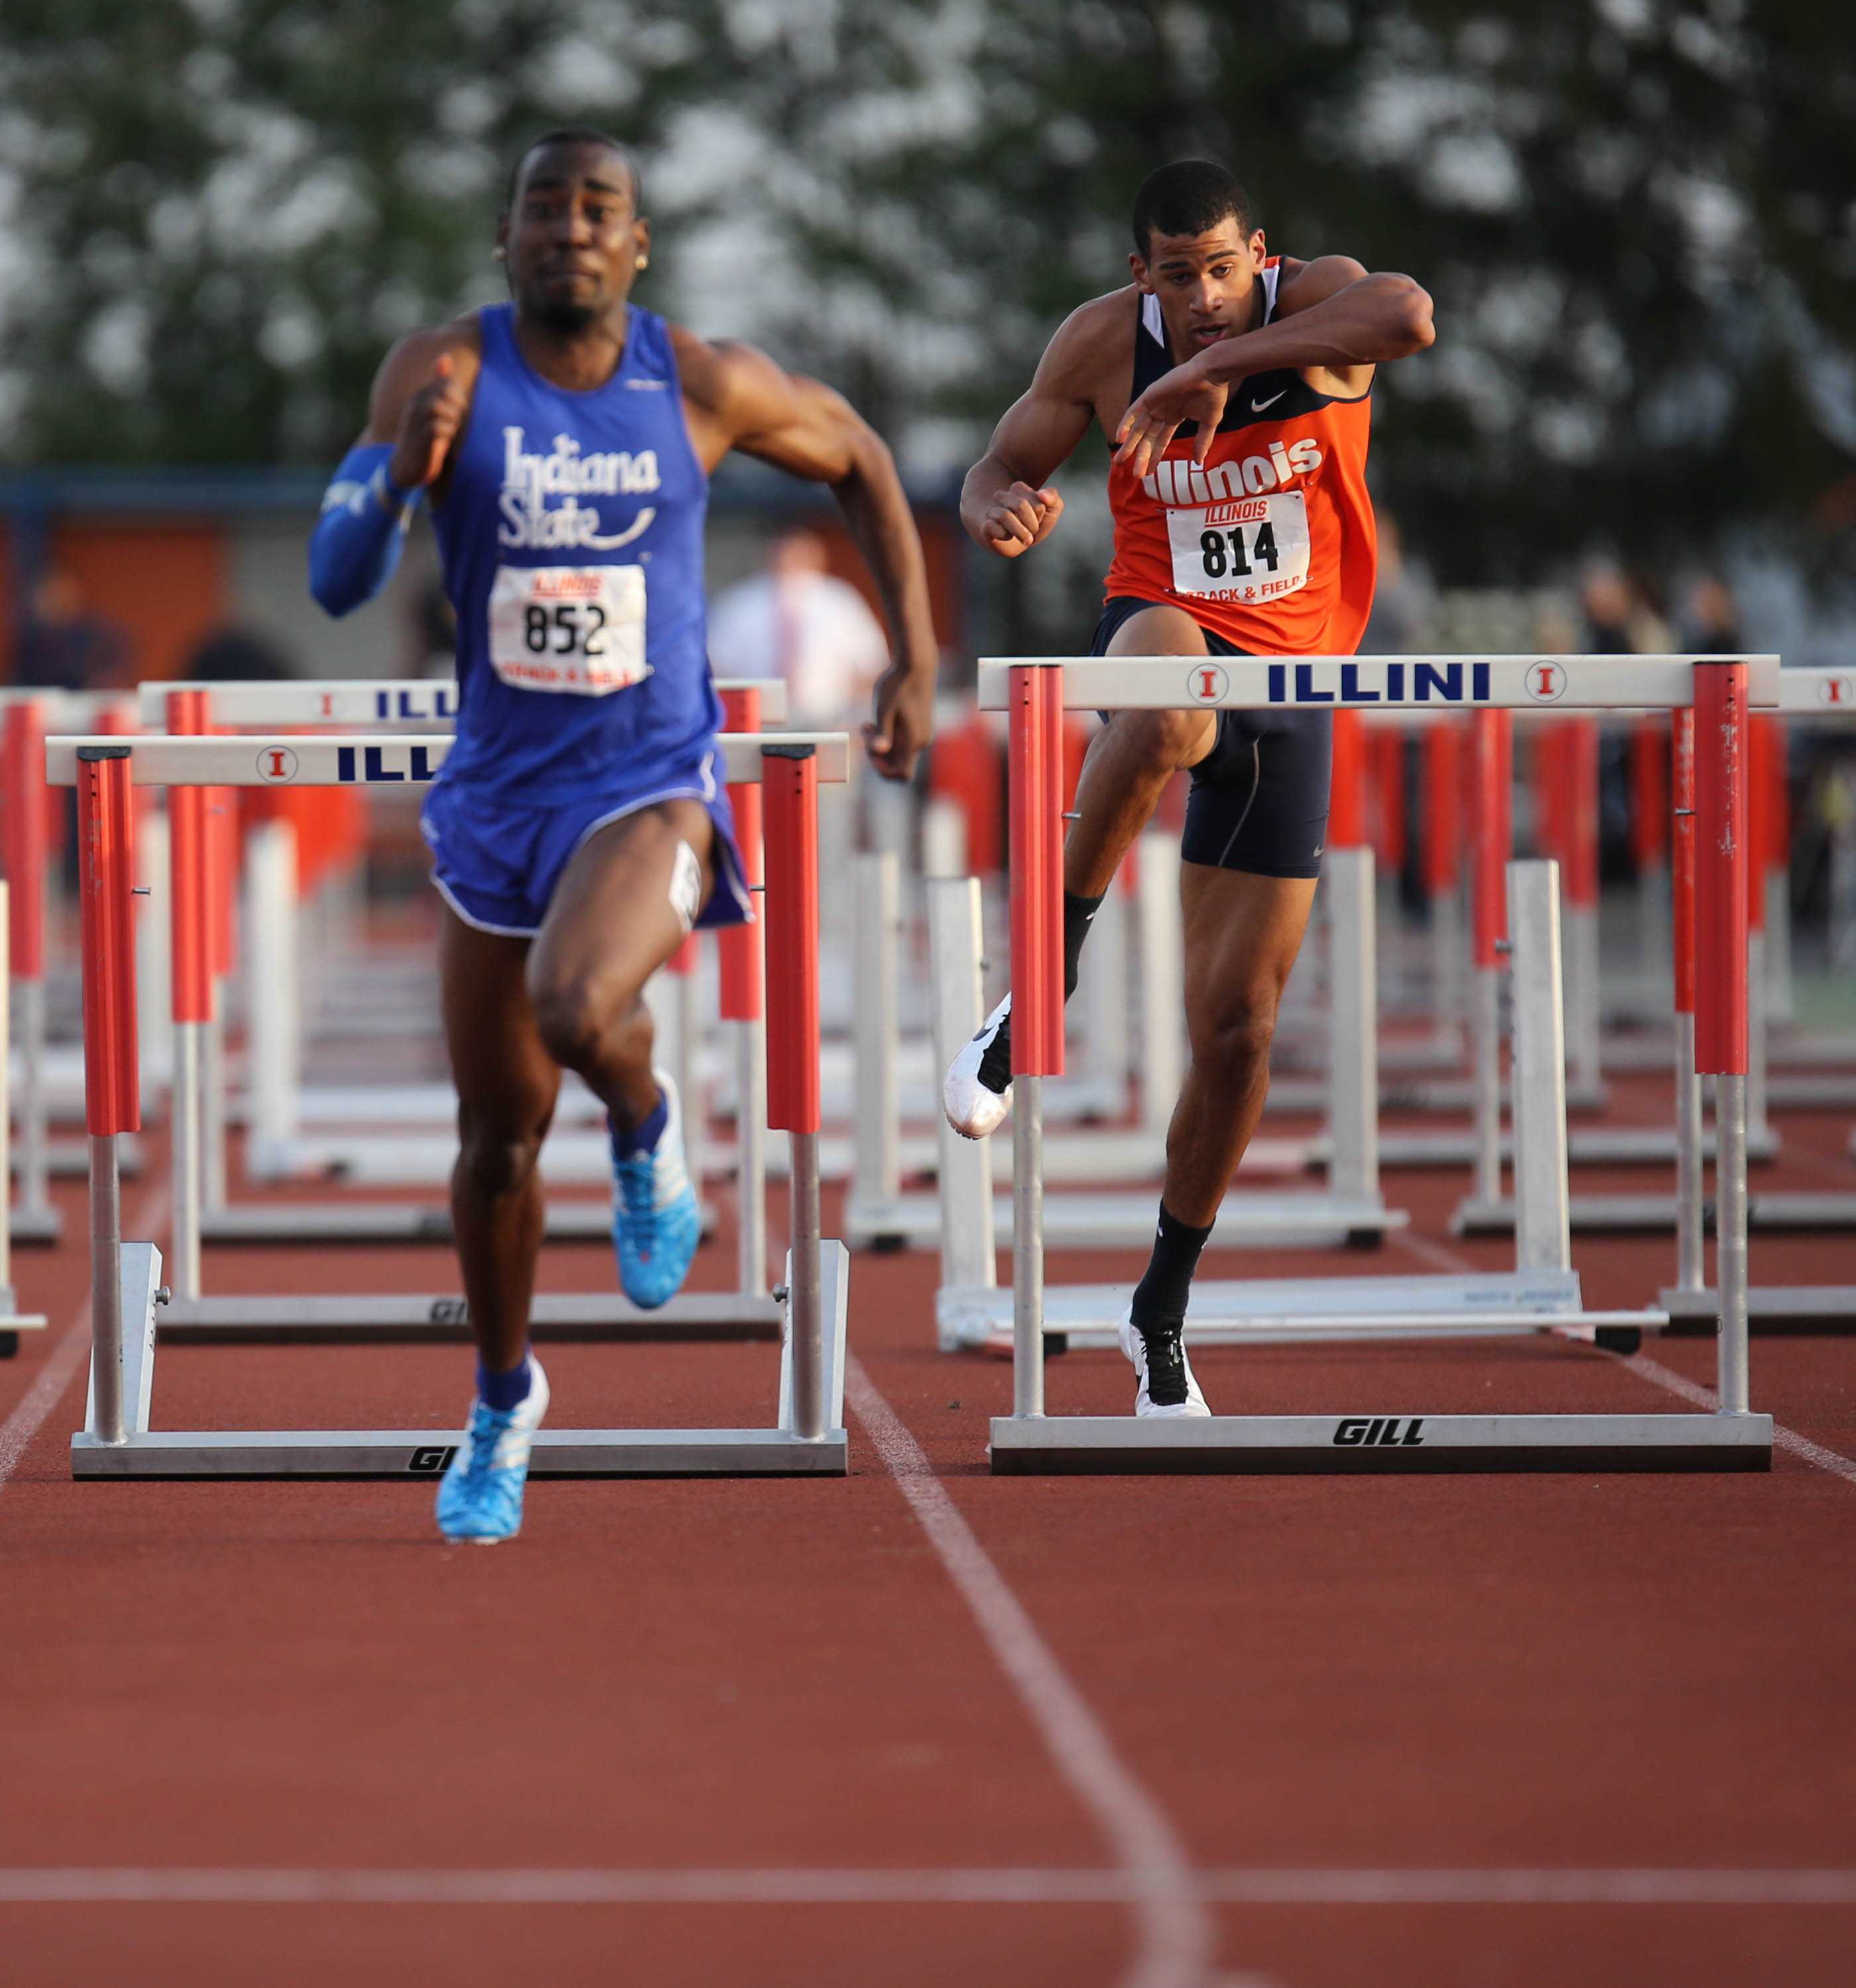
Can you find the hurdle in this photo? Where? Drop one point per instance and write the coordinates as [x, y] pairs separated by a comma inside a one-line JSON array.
[[276, 1103], [1035, 691], [189, 764], [12, 1321], [807, 1437]]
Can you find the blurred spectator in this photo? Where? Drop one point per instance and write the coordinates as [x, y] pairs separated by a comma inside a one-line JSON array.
[[1401, 599], [63, 646], [233, 654], [433, 628], [795, 620], [1622, 618], [1711, 622]]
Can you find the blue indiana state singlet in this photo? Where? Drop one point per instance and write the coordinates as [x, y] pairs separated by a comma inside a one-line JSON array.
[[571, 538]]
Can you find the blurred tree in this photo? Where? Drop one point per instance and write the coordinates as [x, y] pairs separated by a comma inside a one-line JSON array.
[[1635, 215]]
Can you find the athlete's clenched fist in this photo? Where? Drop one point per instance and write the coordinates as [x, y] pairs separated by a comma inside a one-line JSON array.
[[1017, 518], [428, 427]]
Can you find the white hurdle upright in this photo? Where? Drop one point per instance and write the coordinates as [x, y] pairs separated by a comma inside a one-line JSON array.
[[1035, 692], [1540, 1294], [12, 1321], [187, 765], [808, 1437]]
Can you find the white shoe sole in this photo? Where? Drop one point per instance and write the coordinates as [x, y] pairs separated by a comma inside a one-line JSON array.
[[972, 1110], [1135, 1349]]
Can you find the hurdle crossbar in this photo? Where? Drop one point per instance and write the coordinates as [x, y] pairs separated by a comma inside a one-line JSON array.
[[1721, 691], [808, 1437]]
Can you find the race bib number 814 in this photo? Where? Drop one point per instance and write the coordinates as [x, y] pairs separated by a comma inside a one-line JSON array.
[[1246, 550], [580, 629]]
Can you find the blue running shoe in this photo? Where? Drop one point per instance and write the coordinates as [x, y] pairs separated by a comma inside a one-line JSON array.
[[656, 1223], [480, 1498]]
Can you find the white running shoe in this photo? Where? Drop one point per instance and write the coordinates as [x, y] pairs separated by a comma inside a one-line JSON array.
[[1170, 1372], [973, 1108]]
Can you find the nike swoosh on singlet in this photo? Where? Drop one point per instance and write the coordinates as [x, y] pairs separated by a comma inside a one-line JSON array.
[[1257, 407]]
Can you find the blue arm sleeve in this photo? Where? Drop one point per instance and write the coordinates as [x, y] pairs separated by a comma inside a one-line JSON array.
[[356, 542]]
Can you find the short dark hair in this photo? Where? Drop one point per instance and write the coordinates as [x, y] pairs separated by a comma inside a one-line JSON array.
[[1189, 196], [578, 134]]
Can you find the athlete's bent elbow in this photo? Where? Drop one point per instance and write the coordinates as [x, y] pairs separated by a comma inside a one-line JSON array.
[[1419, 326]]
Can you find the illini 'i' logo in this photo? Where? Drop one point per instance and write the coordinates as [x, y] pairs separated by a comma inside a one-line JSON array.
[[1206, 683], [1838, 693], [1546, 682], [276, 764]]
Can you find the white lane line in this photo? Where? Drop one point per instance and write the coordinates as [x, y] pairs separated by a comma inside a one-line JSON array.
[[1008, 1887], [69, 1349], [1653, 1371], [1666, 1377], [1176, 1937]]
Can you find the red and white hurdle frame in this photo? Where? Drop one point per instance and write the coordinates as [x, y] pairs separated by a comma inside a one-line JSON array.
[[278, 1106], [808, 1437], [1721, 689]]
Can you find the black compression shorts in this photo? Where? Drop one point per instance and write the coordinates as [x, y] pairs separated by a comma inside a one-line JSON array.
[[1258, 800]]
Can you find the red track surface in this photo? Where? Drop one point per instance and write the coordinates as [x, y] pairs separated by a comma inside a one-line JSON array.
[[688, 1697]]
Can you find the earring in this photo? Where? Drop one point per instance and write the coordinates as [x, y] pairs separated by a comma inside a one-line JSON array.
[[644, 261], [500, 252]]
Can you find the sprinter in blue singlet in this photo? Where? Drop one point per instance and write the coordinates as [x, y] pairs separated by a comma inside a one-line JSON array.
[[580, 827]]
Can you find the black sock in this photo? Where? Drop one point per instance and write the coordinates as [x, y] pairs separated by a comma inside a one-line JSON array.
[[995, 1065], [1079, 914], [1160, 1297]]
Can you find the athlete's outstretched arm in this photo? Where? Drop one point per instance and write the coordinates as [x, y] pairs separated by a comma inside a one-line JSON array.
[[1006, 503], [420, 397], [1331, 317], [742, 400]]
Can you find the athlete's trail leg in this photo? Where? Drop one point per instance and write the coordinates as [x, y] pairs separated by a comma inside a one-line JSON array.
[[1133, 757], [506, 1084], [613, 921], [1243, 933]]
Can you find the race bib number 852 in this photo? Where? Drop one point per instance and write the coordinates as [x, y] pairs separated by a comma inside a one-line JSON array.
[[575, 629], [1245, 549]]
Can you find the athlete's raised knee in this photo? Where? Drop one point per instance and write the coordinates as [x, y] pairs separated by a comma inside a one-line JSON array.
[[1162, 740], [583, 1028]]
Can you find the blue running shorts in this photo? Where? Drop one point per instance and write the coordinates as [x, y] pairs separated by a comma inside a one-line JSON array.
[[496, 860]]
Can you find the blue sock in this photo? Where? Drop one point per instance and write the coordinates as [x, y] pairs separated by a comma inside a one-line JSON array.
[[504, 1392], [644, 1137]]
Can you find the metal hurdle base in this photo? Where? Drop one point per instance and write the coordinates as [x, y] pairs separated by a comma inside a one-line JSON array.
[[1247, 1220], [13, 1323], [394, 1317], [1805, 1213], [265, 1222], [35, 1225], [1770, 1309], [421, 1455], [1346, 1445], [1290, 1310]]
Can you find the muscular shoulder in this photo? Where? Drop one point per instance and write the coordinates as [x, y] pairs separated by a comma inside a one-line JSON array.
[[408, 366], [1093, 349], [1302, 285], [722, 376]]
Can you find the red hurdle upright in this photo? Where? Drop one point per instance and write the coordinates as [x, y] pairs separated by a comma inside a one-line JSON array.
[[790, 777], [1035, 811], [742, 1001], [106, 842], [26, 824], [1722, 866]]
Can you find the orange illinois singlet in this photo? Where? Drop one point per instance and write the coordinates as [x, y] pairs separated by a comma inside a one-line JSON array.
[[1272, 545]]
